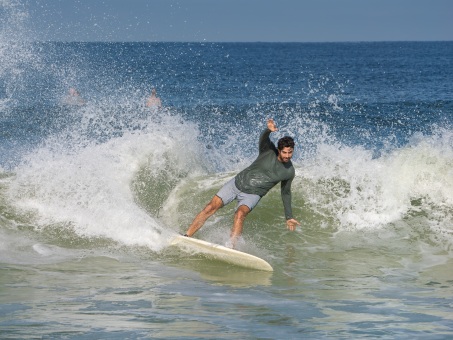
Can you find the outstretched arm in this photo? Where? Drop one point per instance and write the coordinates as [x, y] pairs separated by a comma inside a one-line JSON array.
[[291, 223]]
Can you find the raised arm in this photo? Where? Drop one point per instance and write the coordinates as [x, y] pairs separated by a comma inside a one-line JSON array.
[[265, 142]]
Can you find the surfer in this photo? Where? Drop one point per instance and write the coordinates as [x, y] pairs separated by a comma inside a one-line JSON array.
[[273, 165], [73, 98], [153, 101]]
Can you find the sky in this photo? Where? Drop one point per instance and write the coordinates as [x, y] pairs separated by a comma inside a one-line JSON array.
[[240, 20]]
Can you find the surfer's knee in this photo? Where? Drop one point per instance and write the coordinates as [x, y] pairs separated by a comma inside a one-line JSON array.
[[214, 205], [242, 211]]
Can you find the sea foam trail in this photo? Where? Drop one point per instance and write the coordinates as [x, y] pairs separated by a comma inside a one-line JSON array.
[[88, 188]]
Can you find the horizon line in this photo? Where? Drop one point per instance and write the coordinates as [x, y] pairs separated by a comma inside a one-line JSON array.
[[236, 42]]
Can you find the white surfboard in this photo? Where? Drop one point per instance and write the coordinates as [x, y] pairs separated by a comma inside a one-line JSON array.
[[221, 253]]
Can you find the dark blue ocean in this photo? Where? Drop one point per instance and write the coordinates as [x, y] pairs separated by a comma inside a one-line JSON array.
[[92, 190]]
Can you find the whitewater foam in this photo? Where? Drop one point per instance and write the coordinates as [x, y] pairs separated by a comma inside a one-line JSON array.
[[362, 191], [88, 187]]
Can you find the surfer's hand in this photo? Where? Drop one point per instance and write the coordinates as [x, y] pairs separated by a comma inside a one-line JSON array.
[[291, 224], [271, 125]]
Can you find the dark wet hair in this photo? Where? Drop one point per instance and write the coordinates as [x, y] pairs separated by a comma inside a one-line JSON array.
[[285, 142]]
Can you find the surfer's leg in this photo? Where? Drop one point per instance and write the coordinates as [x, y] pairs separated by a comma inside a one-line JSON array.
[[215, 204], [239, 217]]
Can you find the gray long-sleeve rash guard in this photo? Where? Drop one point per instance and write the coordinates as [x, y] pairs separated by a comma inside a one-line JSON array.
[[265, 172]]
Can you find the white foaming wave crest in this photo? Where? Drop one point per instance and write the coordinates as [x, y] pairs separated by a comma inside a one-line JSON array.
[[365, 192], [89, 187]]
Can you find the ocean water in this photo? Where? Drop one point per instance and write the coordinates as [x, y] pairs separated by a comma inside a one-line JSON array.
[[91, 194]]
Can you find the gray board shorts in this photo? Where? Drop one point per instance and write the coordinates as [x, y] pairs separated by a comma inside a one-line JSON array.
[[230, 192]]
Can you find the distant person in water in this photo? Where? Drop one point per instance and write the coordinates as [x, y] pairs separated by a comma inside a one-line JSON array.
[[153, 101], [273, 165], [73, 98]]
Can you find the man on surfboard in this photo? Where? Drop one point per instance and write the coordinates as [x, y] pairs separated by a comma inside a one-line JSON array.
[[272, 166]]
